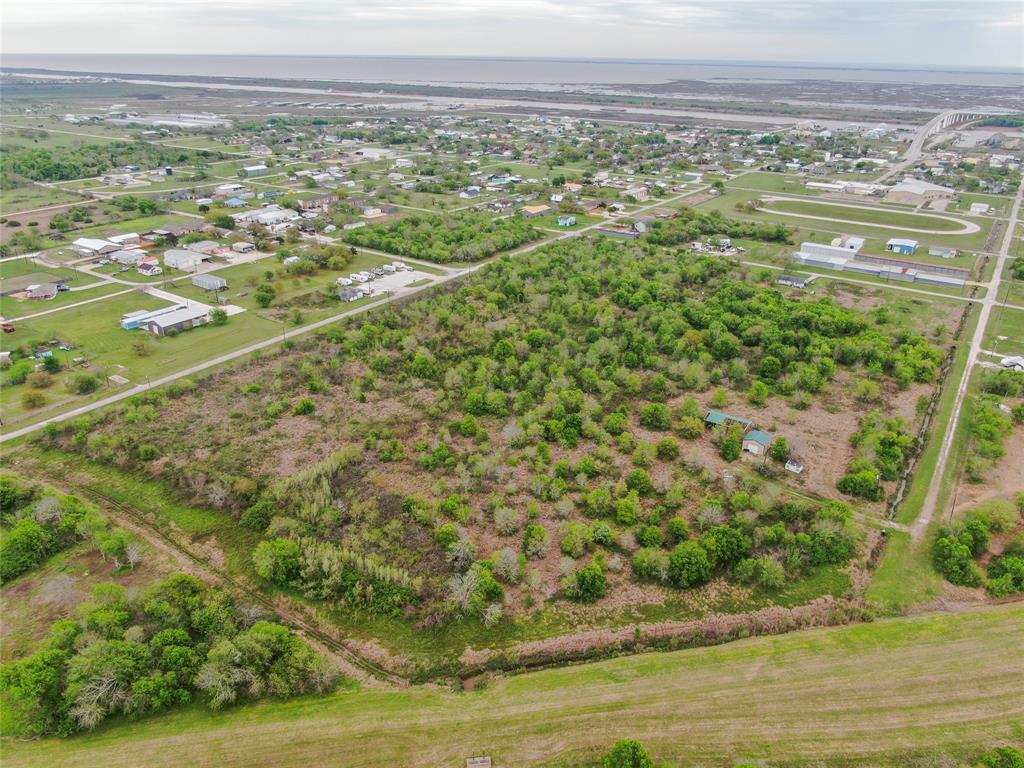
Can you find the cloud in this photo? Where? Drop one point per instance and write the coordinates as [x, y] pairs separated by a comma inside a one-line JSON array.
[[889, 31]]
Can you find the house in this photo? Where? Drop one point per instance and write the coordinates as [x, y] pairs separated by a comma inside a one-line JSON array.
[[178, 319], [622, 234], [235, 202], [41, 292], [567, 221], [128, 238], [638, 192], [149, 269], [209, 282], [757, 442], [716, 418], [183, 260], [792, 281], [917, 192], [243, 247], [127, 257], [901, 245], [469, 193], [252, 171], [89, 246], [205, 247], [533, 211], [849, 242], [350, 294]]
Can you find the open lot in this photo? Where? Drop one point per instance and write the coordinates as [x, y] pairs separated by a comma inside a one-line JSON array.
[[849, 696]]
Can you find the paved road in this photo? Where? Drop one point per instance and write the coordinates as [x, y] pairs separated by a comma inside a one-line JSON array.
[[990, 300]]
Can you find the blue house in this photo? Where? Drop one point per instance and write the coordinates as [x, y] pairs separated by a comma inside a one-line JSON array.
[[235, 202], [902, 245], [566, 221]]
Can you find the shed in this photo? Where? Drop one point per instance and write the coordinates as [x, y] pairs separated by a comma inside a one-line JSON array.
[[715, 418], [756, 442], [209, 282], [794, 466], [901, 245]]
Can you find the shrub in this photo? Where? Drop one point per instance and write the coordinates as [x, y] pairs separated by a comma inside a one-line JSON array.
[[257, 517], [724, 546], [649, 536], [651, 564], [32, 400], [304, 407], [640, 481], [678, 530], [688, 565], [630, 753], [667, 449], [1001, 515], [577, 540], [535, 541], [24, 547], [277, 560], [84, 383], [588, 584], [656, 416]]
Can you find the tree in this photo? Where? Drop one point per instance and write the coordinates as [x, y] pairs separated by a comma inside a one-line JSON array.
[[277, 560], [731, 447], [535, 541], [84, 384], [780, 450], [758, 394], [23, 548], [264, 295], [656, 416], [218, 316], [628, 753], [724, 546], [588, 584], [32, 400], [688, 565]]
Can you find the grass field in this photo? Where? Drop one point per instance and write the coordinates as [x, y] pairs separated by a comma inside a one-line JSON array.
[[1005, 332], [896, 692], [866, 215], [803, 227]]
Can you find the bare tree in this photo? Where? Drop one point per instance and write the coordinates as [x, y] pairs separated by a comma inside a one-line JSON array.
[[133, 554]]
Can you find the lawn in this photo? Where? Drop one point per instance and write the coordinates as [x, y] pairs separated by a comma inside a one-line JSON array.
[[804, 229], [14, 199], [772, 182], [864, 215], [95, 332], [12, 309], [1005, 331], [858, 695]]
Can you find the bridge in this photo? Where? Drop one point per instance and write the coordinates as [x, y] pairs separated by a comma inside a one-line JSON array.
[[943, 120]]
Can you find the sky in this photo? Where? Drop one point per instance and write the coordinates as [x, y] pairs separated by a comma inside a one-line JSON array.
[[891, 32]]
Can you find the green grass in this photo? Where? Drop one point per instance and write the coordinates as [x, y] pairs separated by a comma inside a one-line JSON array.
[[95, 332], [1005, 332], [805, 229], [865, 695], [14, 199], [12, 309], [865, 215], [905, 576], [772, 182]]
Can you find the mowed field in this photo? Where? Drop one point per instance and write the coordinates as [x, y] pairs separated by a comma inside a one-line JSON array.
[[897, 692]]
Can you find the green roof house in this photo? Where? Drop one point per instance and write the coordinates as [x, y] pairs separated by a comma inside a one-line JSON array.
[[756, 442], [714, 418]]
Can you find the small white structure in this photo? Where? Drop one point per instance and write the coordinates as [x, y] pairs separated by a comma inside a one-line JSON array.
[[183, 260]]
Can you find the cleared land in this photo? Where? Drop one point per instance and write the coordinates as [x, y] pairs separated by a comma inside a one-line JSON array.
[[862, 695]]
